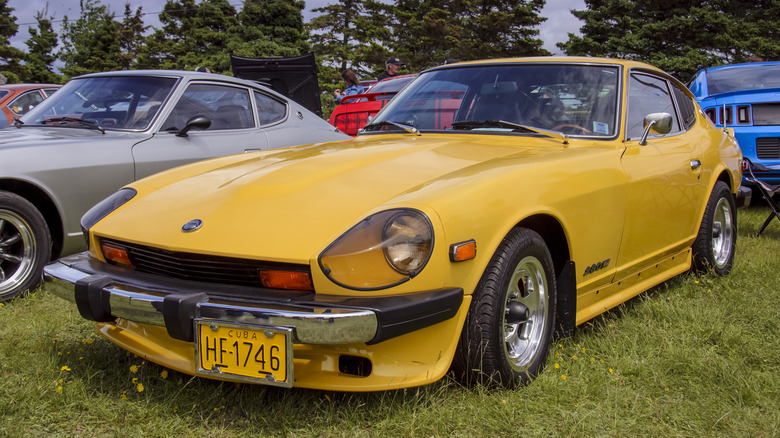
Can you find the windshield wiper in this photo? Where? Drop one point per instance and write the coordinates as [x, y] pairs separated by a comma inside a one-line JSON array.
[[509, 125], [408, 128], [89, 124], [18, 122]]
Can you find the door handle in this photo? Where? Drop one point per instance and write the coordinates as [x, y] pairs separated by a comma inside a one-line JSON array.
[[695, 164]]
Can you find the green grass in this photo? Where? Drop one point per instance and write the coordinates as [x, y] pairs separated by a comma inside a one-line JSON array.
[[695, 356]]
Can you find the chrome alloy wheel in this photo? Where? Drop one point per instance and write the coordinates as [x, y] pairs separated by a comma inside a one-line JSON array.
[[525, 313], [17, 250], [722, 233]]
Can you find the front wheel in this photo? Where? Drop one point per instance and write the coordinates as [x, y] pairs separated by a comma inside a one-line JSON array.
[[714, 247], [25, 245], [510, 323]]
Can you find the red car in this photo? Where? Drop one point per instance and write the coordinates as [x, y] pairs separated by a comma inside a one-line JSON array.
[[17, 99], [353, 112]]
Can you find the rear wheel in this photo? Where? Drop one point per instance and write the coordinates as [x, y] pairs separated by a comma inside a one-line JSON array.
[[509, 327], [714, 247], [25, 245]]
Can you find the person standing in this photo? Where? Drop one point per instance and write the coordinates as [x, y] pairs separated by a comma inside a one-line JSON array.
[[353, 85], [392, 66]]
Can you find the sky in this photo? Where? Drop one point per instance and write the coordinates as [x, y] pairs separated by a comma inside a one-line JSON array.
[[560, 22]]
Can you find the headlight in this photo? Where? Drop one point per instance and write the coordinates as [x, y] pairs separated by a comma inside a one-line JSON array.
[[103, 208], [383, 250]]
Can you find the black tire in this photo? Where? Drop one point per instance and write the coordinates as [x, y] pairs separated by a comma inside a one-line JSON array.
[[493, 349], [25, 246], [715, 245]]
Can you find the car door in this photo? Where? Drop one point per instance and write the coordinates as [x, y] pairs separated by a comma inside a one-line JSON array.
[[665, 187], [233, 128]]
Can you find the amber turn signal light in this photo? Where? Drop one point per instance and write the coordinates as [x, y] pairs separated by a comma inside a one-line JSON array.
[[286, 280], [115, 254], [463, 251]]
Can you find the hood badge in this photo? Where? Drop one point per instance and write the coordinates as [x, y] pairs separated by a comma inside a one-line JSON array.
[[192, 225]]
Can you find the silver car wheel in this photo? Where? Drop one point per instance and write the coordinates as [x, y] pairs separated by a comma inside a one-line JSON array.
[[528, 288], [17, 250]]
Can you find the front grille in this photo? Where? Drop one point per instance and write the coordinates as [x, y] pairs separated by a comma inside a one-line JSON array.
[[768, 148], [199, 267]]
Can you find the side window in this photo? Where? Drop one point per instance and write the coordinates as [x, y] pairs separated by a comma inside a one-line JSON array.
[[647, 94], [686, 106], [25, 102], [226, 107], [269, 110], [49, 91]]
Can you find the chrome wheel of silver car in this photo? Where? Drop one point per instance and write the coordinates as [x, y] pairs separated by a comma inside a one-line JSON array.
[[714, 247], [525, 313], [510, 323], [24, 245]]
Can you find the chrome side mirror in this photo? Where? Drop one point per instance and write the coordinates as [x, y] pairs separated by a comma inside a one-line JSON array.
[[657, 123]]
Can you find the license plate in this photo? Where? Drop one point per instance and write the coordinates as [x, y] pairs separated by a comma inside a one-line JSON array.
[[246, 353]]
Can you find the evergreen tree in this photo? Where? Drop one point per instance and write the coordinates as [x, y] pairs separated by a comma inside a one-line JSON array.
[[679, 37], [131, 37], [91, 42], [427, 32], [10, 56], [270, 29], [40, 55], [193, 35]]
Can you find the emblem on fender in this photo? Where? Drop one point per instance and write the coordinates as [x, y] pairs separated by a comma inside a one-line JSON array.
[[192, 225]]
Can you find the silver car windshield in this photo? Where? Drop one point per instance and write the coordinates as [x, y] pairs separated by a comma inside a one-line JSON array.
[[117, 102], [579, 99]]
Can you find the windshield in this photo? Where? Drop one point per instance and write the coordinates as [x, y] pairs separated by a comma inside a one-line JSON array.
[[393, 85], [570, 98], [118, 102], [744, 77]]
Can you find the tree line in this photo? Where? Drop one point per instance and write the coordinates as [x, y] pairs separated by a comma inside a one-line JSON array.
[[679, 37]]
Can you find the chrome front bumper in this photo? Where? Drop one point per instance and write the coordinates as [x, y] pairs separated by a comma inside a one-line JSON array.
[[104, 293]]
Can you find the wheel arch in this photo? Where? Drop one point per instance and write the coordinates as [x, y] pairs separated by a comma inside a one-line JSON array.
[[44, 203], [554, 235]]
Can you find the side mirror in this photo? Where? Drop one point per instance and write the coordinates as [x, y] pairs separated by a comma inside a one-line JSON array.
[[657, 123], [197, 123]]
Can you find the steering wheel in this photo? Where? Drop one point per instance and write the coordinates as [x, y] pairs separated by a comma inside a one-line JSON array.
[[572, 126]]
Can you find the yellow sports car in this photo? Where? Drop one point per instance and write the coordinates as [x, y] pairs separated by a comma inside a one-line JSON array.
[[488, 206]]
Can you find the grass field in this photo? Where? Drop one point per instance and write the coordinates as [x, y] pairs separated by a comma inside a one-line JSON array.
[[695, 356]]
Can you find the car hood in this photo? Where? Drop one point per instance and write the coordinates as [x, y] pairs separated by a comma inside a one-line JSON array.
[[287, 205], [38, 136]]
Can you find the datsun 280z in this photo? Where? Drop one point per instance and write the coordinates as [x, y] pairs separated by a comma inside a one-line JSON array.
[[489, 205]]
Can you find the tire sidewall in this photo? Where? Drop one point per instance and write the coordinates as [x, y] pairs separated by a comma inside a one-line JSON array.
[[483, 338], [703, 257], [11, 204]]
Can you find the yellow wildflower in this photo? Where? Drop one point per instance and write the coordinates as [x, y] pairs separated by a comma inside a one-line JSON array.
[[59, 389], [133, 369], [610, 371], [557, 365], [124, 395], [140, 387], [64, 368], [563, 376], [135, 380], [164, 374]]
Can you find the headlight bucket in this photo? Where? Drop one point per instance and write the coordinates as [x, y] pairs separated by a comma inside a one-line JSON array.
[[104, 208], [383, 250]]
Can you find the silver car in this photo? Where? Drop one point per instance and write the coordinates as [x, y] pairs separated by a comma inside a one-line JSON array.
[[101, 131]]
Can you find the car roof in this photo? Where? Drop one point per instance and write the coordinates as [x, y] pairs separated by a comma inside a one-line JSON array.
[[189, 75], [742, 65], [27, 86], [553, 59]]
